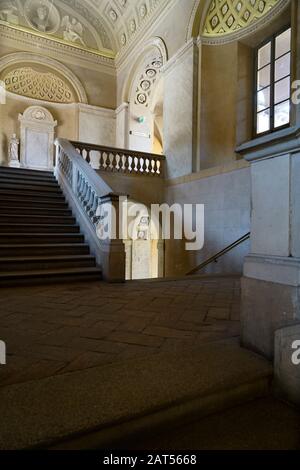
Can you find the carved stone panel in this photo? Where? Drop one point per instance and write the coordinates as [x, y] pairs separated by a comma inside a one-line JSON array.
[[37, 138]]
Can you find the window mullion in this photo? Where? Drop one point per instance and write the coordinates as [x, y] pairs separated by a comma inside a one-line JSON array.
[[272, 87]]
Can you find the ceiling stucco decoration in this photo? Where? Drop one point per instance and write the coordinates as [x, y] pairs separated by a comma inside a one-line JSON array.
[[231, 19], [45, 86], [104, 27]]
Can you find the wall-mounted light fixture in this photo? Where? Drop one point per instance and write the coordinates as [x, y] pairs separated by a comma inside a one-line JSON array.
[[141, 119]]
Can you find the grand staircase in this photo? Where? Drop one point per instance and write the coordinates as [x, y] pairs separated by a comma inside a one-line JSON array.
[[39, 238]]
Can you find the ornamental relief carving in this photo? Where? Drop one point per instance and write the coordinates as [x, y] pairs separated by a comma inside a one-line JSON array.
[[99, 25], [44, 86], [147, 80]]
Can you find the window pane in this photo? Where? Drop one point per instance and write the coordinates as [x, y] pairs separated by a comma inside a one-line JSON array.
[[283, 67], [263, 121], [283, 43], [282, 90], [282, 114], [264, 55], [263, 99], [264, 77]]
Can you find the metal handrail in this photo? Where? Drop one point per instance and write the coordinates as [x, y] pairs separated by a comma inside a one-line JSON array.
[[220, 254]]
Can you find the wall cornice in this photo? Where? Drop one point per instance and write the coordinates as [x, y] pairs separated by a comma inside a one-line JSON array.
[[19, 38]]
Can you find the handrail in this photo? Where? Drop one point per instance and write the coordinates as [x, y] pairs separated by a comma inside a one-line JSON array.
[[220, 254], [87, 192], [120, 160]]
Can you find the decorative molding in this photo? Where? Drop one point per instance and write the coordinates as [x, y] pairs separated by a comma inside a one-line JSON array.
[[154, 17], [121, 108], [97, 111], [28, 58], [192, 20], [19, 37]]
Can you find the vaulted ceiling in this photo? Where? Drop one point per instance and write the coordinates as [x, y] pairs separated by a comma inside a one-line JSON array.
[[105, 26]]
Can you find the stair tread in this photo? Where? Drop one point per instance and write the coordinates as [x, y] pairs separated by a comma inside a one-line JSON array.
[[45, 245], [45, 258], [29, 216], [38, 225], [49, 272], [28, 179], [33, 209], [7, 169]]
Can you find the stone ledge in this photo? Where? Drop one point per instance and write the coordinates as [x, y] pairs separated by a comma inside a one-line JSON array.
[[215, 171], [114, 399]]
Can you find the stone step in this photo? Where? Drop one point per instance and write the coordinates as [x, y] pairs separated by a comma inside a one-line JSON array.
[[25, 194], [46, 262], [26, 172], [40, 241], [40, 238], [29, 187], [96, 408], [45, 180], [40, 228], [18, 211], [48, 276], [44, 249], [36, 219], [31, 202]]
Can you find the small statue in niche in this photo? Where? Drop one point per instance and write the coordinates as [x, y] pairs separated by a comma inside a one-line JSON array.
[[73, 30], [13, 152]]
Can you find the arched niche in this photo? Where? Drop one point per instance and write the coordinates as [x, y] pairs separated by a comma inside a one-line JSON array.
[[53, 81], [37, 138]]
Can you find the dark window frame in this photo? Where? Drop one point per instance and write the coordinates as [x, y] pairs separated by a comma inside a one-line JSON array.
[[272, 40]]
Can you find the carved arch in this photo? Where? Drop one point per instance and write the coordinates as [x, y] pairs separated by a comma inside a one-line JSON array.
[[154, 43]]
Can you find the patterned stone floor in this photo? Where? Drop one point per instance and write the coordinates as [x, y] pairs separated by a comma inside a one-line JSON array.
[[57, 329]]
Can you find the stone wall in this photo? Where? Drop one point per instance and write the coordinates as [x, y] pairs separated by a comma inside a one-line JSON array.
[[226, 197]]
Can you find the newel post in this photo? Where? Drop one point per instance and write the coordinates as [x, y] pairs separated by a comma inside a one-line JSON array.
[[112, 248]]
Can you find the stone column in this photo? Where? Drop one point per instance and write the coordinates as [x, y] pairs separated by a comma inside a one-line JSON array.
[[180, 111], [113, 249], [271, 282]]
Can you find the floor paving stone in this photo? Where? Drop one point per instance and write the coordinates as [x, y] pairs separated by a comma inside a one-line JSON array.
[[56, 329]]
